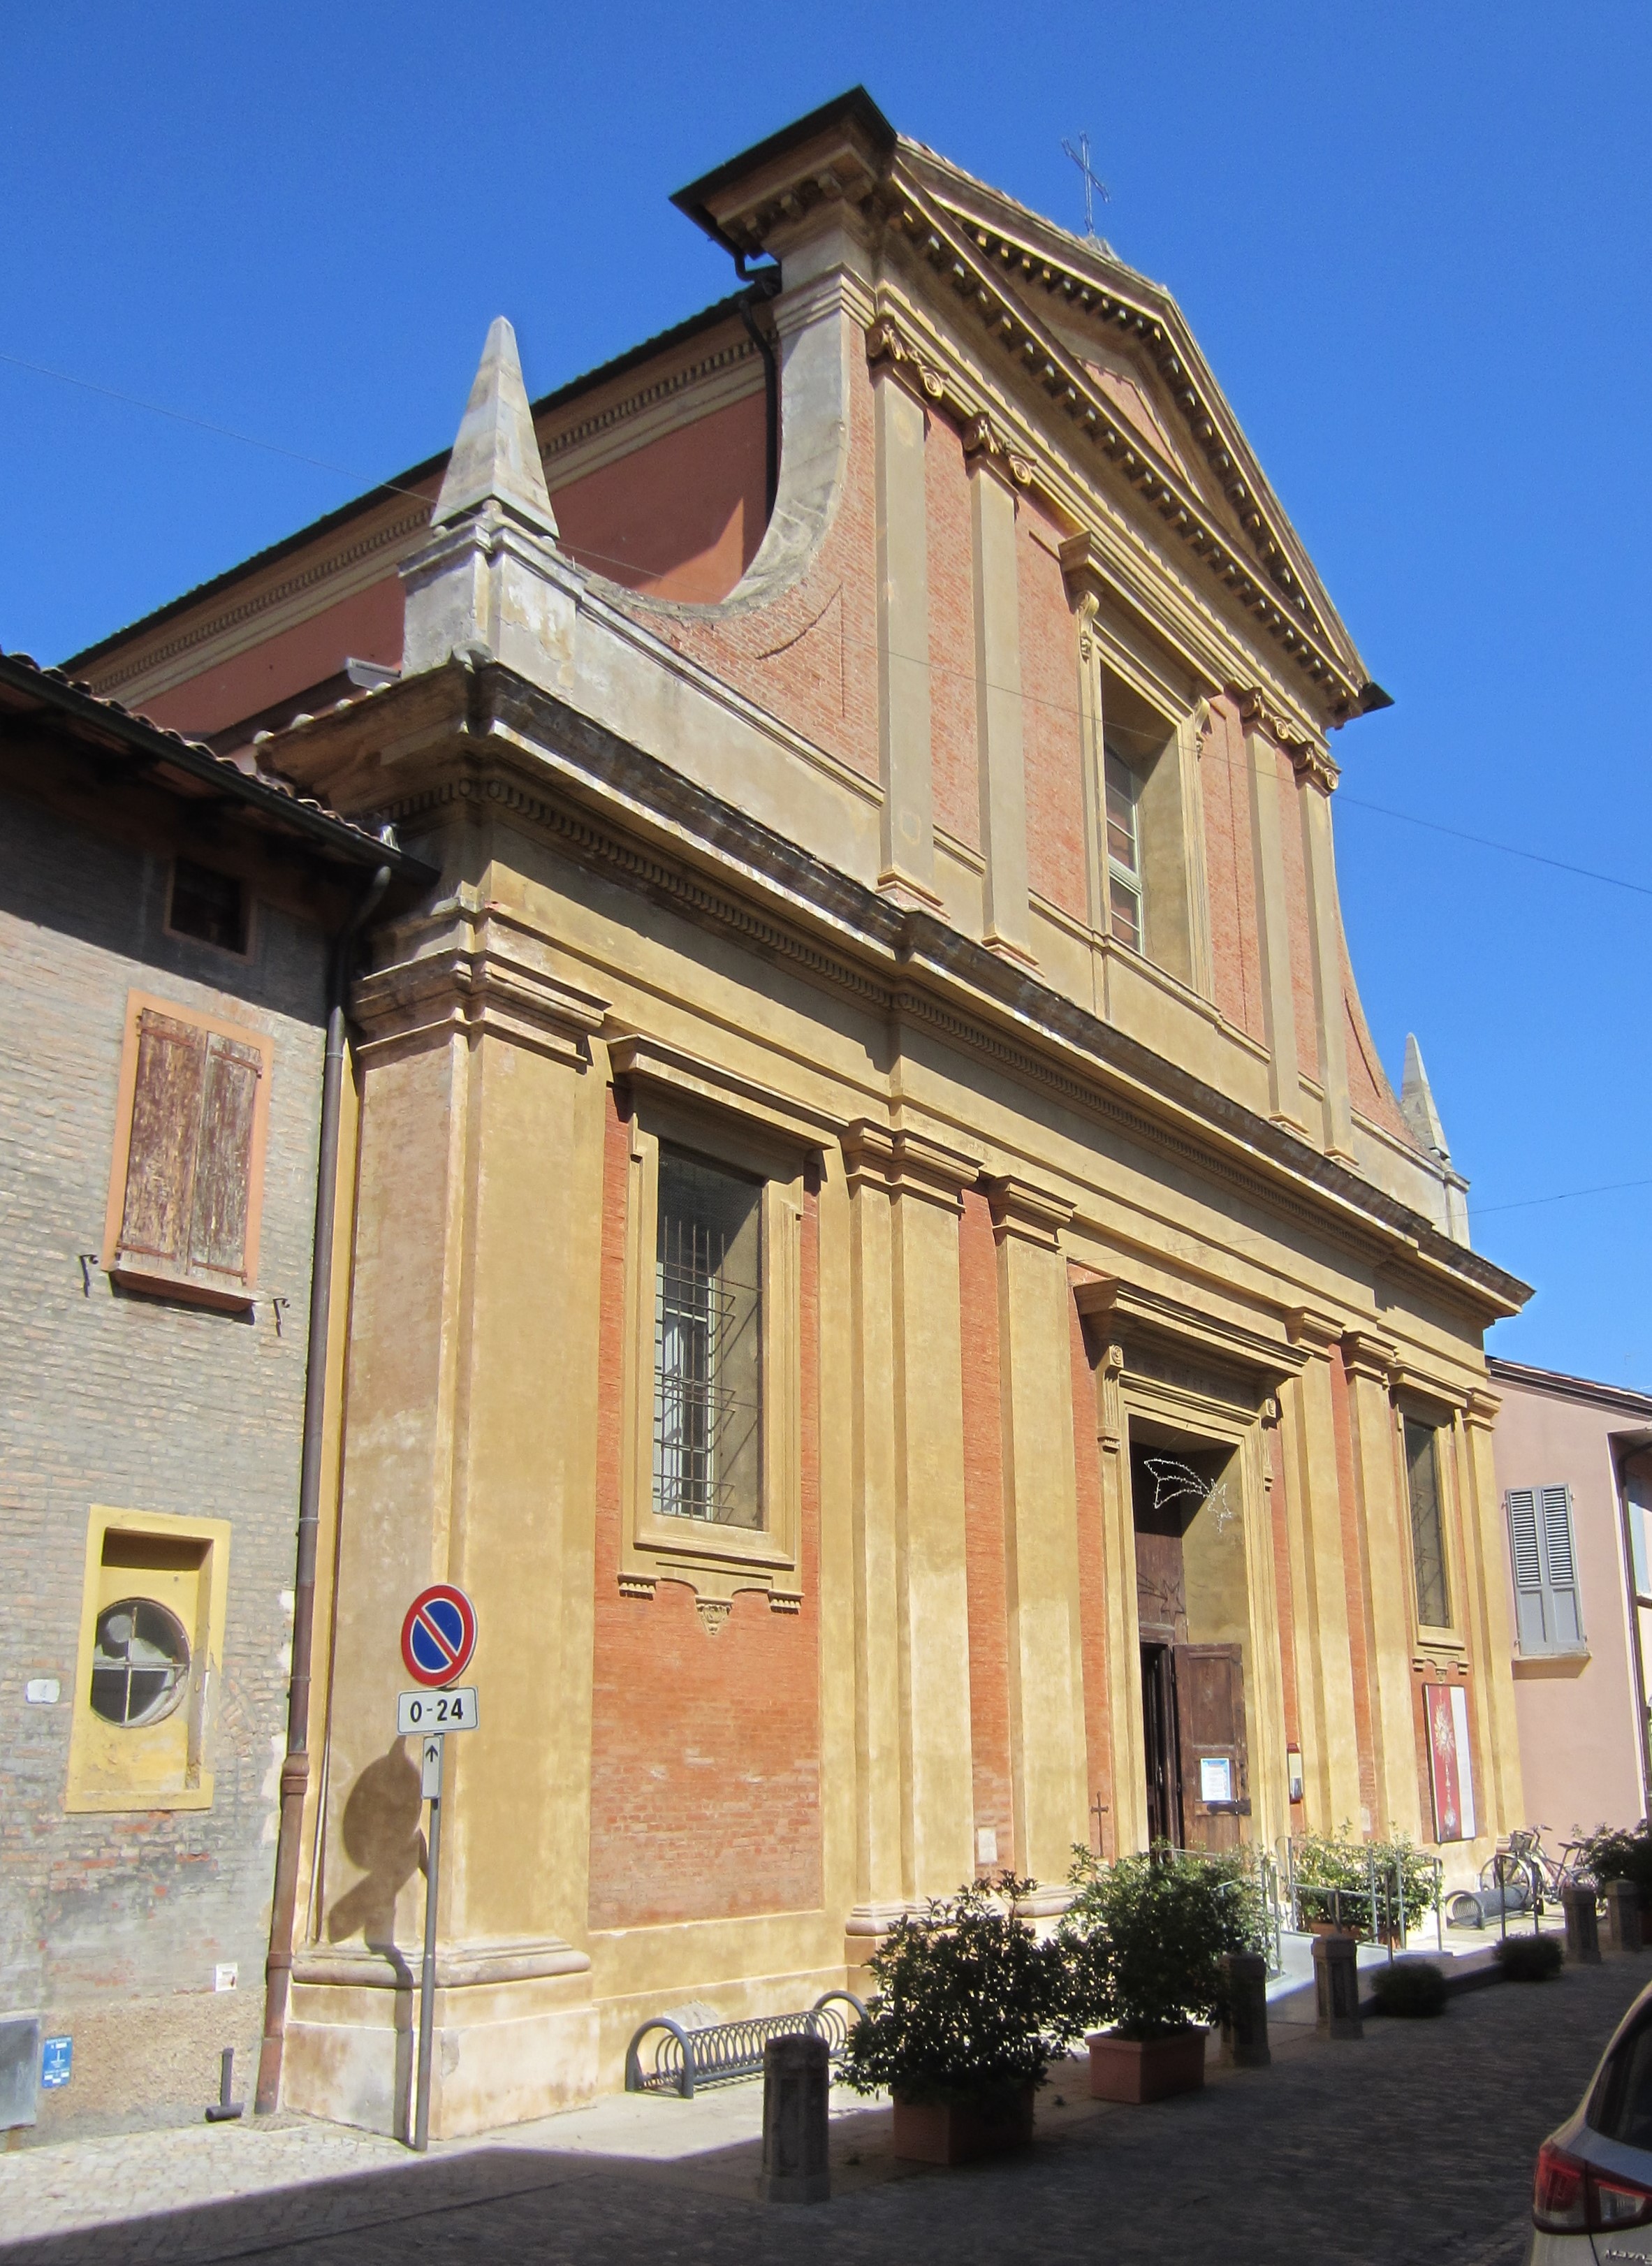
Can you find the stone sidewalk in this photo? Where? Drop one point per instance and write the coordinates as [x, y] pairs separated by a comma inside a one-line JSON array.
[[1414, 2145]]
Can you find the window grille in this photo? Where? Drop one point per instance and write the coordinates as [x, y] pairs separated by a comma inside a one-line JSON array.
[[1125, 851], [1547, 1613], [1427, 1527], [707, 1365]]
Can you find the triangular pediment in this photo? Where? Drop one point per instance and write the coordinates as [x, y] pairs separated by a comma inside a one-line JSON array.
[[1182, 444]]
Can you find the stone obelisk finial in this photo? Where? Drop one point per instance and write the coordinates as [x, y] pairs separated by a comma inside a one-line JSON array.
[[496, 459], [1416, 1102]]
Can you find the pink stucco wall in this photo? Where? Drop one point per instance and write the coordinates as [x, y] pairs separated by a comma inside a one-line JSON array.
[[1580, 1748]]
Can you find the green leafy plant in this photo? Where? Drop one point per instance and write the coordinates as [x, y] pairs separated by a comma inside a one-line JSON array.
[[1323, 1864], [970, 2003], [1620, 1852], [1529, 1958], [1412, 1988], [1145, 1938]]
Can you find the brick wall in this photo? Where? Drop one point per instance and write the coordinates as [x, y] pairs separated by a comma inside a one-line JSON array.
[[1055, 862], [1231, 873], [812, 656], [951, 636], [705, 1749], [137, 1403]]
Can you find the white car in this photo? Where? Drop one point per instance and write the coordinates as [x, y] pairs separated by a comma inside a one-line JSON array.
[[1592, 2200]]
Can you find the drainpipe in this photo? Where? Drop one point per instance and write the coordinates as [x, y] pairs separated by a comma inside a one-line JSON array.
[[295, 1769], [765, 285]]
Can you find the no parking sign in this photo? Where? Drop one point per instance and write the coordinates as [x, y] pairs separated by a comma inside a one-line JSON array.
[[438, 1635]]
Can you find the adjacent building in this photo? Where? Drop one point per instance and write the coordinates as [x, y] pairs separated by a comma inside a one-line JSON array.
[[1573, 1462], [880, 1251], [166, 922]]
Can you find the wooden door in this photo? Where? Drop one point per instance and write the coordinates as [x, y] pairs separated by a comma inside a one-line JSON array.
[[1158, 1739], [1211, 1716]]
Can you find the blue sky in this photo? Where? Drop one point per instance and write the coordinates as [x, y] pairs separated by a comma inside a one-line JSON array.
[[1413, 242]]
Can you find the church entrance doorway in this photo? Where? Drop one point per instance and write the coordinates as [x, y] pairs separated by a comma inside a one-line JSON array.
[[1192, 1606]]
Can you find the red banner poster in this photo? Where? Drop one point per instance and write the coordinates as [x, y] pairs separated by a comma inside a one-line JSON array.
[[1449, 1765]]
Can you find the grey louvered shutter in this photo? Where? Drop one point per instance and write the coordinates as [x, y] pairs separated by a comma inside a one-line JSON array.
[[1566, 1624], [1526, 1556]]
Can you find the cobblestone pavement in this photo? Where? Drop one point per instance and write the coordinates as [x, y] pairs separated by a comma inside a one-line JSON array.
[[1414, 2145]]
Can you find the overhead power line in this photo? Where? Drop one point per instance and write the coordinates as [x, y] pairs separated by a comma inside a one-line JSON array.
[[1566, 1196]]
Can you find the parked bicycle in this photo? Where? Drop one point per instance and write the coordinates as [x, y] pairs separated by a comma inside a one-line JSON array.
[[1527, 1874]]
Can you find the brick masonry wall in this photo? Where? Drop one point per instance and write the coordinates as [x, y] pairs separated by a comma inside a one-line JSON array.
[[812, 656], [705, 1748], [1231, 873], [951, 636], [1056, 862], [137, 1403]]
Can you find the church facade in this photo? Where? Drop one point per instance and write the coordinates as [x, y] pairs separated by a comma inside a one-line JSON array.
[[873, 1238]]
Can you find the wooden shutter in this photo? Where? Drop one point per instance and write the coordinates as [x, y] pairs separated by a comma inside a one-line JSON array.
[[1560, 1567], [184, 1213], [1527, 1557], [1541, 1552]]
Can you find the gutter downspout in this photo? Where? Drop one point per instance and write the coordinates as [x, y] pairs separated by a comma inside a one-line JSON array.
[[764, 286], [295, 1768]]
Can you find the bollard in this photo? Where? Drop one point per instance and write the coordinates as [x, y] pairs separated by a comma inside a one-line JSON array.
[[1245, 2025], [1583, 1932], [1623, 1916], [796, 2086], [1336, 1985]]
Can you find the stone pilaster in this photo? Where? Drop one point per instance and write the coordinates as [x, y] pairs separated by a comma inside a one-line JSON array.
[[1046, 1656], [1489, 1632], [1330, 1743], [1318, 858], [476, 1272], [907, 853], [999, 759], [1273, 931], [1385, 1519], [906, 1195]]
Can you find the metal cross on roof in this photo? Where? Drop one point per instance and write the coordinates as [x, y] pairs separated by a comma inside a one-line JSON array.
[[1092, 187]]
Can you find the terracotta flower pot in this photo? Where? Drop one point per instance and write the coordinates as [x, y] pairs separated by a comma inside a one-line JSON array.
[[1145, 2069], [963, 2132]]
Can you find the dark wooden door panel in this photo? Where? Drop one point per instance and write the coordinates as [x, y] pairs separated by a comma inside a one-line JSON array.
[[1210, 1715]]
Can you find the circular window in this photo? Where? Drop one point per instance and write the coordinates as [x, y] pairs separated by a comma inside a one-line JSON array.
[[140, 1663]]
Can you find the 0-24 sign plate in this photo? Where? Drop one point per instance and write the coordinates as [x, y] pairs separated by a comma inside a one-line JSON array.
[[420, 1712]]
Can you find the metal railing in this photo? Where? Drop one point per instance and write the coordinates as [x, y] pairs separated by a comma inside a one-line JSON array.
[[683, 2059], [1379, 1903]]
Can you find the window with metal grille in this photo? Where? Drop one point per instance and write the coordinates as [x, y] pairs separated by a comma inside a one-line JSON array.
[[1124, 852], [1428, 1525], [1547, 1614], [707, 1349]]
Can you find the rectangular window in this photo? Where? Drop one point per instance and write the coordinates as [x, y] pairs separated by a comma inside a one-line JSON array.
[[1124, 852], [191, 1125], [152, 1607], [708, 1344], [208, 907], [1428, 1524], [1548, 1614]]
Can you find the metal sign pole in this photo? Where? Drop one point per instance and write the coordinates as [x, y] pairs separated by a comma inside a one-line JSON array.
[[434, 1758]]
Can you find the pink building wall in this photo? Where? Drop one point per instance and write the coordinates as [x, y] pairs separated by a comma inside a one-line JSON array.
[[1581, 1753]]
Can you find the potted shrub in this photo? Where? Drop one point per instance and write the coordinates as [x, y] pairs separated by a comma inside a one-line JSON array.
[[1334, 1885], [968, 2009], [1145, 1937], [1621, 1853]]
